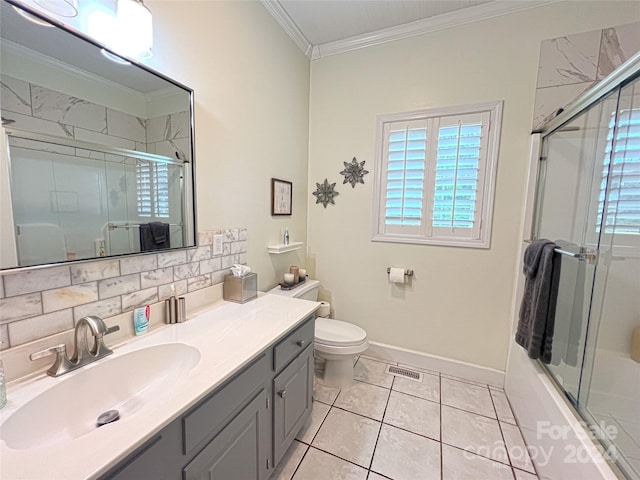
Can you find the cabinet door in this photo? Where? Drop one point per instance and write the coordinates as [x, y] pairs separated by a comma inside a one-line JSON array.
[[292, 401], [240, 450], [159, 458]]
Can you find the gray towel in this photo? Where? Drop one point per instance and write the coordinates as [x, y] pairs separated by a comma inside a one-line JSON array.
[[537, 311], [154, 236]]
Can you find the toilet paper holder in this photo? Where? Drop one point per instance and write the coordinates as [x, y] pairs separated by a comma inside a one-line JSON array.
[[407, 272]]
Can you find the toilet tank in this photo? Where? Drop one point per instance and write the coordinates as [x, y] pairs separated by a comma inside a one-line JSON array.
[[306, 291]]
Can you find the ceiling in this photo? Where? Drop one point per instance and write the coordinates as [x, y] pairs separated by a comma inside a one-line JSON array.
[[328, 27]]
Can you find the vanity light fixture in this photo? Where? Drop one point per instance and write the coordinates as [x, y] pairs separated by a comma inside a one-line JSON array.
[[61, 8], [32, 18], [113, 57], [135, 26]]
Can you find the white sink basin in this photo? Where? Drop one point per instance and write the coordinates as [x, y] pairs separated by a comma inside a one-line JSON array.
[[127, 383]]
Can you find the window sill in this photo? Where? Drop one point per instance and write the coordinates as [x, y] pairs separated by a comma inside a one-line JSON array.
[[444, 242]]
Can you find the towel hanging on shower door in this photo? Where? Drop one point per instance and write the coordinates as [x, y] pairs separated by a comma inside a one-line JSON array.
[[154, 236], [537, 311]]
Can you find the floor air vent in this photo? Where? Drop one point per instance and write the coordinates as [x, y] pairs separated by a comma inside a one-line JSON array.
[[404, 372]]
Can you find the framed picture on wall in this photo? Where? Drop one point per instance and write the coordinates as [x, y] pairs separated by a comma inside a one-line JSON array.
[[281, 196]]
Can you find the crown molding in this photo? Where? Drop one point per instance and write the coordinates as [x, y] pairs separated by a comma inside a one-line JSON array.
[[427, 25], [284, 20], [419, 27]]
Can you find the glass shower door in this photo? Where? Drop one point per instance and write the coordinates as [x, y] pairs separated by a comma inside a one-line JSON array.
[[588, 202], [566, 213], [610, 389]]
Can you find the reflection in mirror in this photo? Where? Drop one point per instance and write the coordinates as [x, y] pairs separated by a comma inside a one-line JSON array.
[[100, 158]]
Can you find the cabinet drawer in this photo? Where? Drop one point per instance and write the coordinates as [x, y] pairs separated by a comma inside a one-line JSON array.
[[214, 412], [293, 344]]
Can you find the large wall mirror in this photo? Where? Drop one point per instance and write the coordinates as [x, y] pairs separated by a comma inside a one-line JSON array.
[[97, 155]]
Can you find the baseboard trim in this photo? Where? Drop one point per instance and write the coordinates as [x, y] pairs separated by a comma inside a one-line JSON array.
[[448, 366]]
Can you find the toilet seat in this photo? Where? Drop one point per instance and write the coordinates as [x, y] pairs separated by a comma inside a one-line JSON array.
[[335, 333]]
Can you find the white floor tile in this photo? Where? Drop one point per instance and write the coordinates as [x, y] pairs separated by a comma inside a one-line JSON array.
[[501, 404], [320, 465], [517, 449], [324, 394], [348, 436], [406, 456], [472, 398], [429, 388], [414, 414], [375, 476], [461, 465], [318, 414], [520, 475], [474, 433], [372, 371], [289, 462], [364, 399], [464, 380]]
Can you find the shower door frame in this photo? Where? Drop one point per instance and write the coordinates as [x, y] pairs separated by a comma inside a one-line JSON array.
[[616, 81]]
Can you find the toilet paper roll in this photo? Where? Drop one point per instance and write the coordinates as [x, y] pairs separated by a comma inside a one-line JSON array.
[[396, 275], [324, 310]]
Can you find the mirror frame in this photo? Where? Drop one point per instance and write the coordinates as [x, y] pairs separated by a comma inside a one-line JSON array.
[[189, 184]]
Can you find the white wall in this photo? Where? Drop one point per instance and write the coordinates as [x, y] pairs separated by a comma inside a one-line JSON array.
[[251, 88], [484, 61]]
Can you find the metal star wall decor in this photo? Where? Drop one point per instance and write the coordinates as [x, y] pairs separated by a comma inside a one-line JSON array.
[[325, 193], [353, 172]]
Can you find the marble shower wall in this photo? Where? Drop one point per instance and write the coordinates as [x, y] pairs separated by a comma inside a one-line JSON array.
[[571, 65], [38, 109], [37, 303]]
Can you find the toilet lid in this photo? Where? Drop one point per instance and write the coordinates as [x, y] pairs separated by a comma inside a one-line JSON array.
[[335, 332]]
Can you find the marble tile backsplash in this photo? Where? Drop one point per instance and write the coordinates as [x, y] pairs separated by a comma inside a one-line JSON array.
[[572, 64], [41, 302]]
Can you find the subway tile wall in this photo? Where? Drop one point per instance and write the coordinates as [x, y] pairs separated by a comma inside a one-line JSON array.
[[41, 302]]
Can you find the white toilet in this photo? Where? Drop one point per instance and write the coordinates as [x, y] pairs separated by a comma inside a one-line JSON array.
[[336, 343]]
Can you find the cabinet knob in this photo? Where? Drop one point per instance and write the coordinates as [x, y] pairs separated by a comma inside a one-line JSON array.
[[300, 343], [282, 393]]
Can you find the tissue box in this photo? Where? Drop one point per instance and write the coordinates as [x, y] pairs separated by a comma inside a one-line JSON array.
[[240, 289]]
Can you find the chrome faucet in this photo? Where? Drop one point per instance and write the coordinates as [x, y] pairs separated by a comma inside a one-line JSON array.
[[82, 355]]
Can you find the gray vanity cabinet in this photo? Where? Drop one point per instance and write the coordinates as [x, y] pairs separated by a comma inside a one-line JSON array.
[[292, 401], [242, 429], [240, 450]]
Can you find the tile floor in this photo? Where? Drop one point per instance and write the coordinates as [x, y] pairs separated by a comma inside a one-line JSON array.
[[387, 427]]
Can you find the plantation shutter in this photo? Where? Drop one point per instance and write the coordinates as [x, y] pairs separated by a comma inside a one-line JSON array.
[[405, 150], [143, 188], [459, 172], [435, 175], [161, 193], [622, 156], [152, 185]]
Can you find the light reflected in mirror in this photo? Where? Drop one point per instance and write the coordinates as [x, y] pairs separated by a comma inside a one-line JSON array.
[[100, 158]]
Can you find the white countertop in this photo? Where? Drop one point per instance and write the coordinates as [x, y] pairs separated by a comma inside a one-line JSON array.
[[228, 337]]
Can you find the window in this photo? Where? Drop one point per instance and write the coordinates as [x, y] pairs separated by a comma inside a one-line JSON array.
[[152, 184], [622, 156], [435, 175]]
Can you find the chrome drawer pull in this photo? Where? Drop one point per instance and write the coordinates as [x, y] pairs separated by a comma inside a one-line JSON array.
[[300, 343], [282, 393]]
